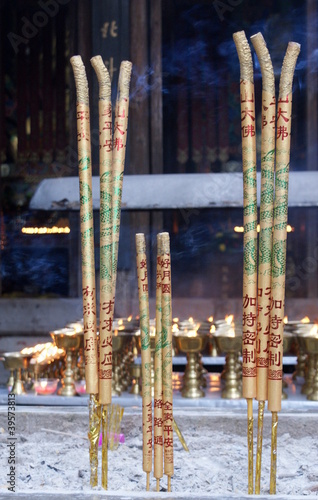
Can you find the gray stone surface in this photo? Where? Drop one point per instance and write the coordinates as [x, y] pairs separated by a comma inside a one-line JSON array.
[[147, 192]]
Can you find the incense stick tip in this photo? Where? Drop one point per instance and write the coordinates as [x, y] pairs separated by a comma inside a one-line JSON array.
[[80, 77], [265, 62], [244, 55], [140, 243], [102, 76], [288, 69], [124, 79]]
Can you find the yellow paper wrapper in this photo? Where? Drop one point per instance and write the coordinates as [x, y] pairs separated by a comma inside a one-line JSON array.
[[107, 300], [167, 354], [248, 132], [119, 153], [87, 226], [284, 109], [142, 275], [158, 415]]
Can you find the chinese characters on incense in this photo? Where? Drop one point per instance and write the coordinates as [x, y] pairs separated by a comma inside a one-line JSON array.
[[88, 261], [265, 237], [112, 161], [272, 257], [163, 403], [275, 369], [142, 276], [248, 133]]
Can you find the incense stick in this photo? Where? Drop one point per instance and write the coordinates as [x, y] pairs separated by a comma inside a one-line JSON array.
[[250, 236], [145, 354], [88, 260], [265, 236], [167, 356], [275, 372], [106, 311], [118, 160], [158, 415]]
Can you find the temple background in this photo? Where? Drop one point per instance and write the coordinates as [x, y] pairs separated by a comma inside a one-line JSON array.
[[184, 118]]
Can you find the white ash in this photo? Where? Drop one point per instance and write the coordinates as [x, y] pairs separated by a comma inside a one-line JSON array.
[[216, 464]]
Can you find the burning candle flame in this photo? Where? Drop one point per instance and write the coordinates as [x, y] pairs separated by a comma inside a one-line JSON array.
[[285, 320], [43, 353], [229, 319], [305, 320]]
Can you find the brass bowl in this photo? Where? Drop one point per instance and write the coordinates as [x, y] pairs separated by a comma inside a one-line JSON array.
[[311, 344], [288, 339], [67, 338], [229, 344], [15, 360], [118, 342], [190, 344]]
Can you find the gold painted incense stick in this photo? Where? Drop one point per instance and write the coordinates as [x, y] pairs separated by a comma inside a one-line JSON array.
[[106, 311], [167, 356], [118, 160], [88, 260], [265, 237], [158, 414], [248, 133], [142, 276], [275, 368]]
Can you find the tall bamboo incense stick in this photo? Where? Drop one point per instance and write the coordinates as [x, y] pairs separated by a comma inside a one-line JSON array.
[[275, 371], [145, 354], [250, 236], [106, 312], [158, 416], [119, 152], [265, 236], [88, 261], [167, 356]]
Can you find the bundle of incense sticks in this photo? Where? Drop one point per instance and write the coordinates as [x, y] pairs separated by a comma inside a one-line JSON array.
[[262, 348], [163, 403], [112, 160]]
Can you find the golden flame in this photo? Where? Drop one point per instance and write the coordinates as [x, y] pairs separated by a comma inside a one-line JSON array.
[[229, 318], [120, 322], [191, 319], [27, 351], [240, 229], [129, 318], [175, 320], [210, 319], [46, 230], [43, 353], [175, 328], [192, 333], [285, 320], [212, 329], [305, 320]]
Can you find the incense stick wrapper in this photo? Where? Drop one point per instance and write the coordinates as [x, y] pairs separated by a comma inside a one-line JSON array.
[[167, 356], [106, 241], [248, 134], [265, 237], [284, 110], [88, 260], [266, 212], [249, 213], [106, 311], [145, 353], [158, 416], [87, 226], [119, 152]]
